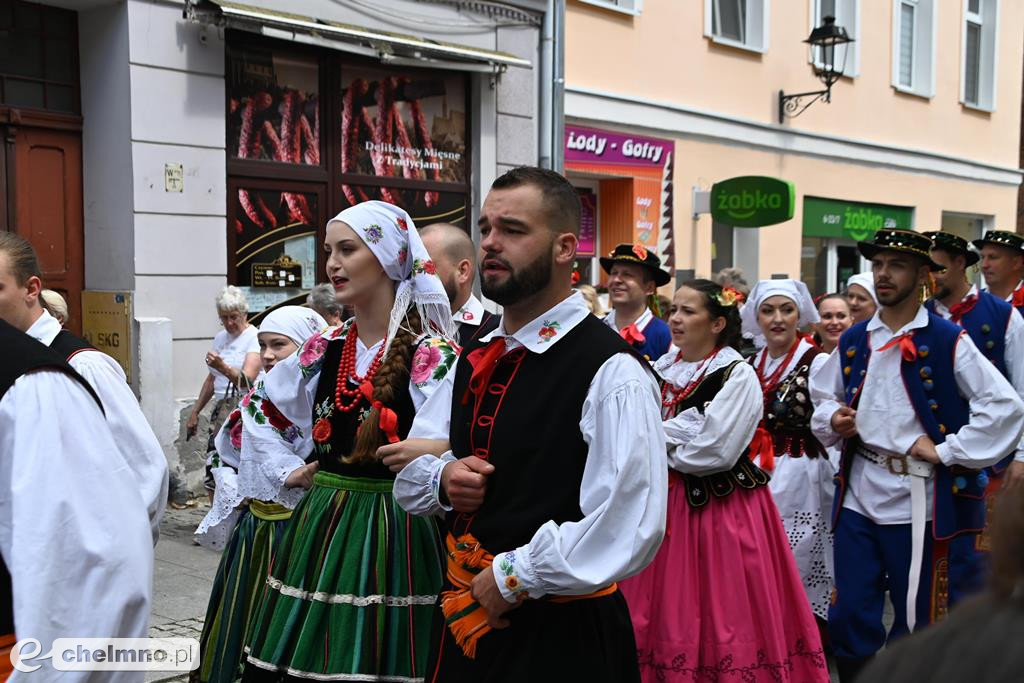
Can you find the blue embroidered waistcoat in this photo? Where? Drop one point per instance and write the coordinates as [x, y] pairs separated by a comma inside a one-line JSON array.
[[931, 387], [986, 324]]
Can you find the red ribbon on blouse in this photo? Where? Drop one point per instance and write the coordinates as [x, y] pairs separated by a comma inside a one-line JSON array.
[[388, 418], [764, 446]]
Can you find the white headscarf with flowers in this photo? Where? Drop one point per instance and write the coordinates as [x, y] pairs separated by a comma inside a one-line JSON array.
[[392, 237]]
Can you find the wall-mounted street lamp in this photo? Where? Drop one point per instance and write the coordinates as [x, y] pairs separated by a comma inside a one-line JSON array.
[[822, 43]]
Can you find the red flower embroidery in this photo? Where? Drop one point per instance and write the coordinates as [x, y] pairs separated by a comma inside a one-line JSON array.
[[322, 430], [235, 433], [548, 332], [274, 416], [429, 268], [640, 251], [402, 225]]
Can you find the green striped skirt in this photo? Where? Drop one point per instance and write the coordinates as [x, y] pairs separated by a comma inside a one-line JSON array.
[[240, 579], [351, 591]]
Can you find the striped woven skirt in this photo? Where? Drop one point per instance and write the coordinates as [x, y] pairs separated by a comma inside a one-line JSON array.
[[240, 578], [351, 591]]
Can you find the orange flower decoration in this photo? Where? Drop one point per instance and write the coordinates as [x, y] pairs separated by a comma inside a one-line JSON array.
[[730, 297], [640, 251]]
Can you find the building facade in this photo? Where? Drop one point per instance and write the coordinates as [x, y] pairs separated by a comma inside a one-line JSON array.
[[154, 151], [922, 131]]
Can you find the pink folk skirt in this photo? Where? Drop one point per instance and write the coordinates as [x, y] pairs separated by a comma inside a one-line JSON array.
[[723, 600]]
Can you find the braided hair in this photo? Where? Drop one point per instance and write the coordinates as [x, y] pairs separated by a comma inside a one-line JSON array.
[[387, 383]]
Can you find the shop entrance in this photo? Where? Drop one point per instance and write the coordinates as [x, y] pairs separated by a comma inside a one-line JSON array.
[[41, 144], [41, 189]]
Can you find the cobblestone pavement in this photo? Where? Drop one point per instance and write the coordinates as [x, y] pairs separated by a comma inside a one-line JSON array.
[[182, 578]]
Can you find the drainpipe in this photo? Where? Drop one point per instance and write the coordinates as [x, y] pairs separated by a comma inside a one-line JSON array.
[[552, 87]]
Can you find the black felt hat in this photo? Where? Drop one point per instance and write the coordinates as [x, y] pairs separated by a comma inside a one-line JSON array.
[[1002, 238], [906, 241], [954, 244], [637, 255]]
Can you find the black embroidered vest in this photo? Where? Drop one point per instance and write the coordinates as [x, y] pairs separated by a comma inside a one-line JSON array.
[[345, 425], [528, 427], [788, 410], [23, 354], [743, 475], [470, 333]]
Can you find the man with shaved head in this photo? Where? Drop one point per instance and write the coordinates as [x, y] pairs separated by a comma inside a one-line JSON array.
[[452, 251]]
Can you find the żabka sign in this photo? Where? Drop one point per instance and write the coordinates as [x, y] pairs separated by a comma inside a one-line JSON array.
[[752, 201]]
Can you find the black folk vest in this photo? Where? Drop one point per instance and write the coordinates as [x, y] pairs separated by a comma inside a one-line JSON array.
[[67, 345], [21, 354], [344, 426], [528, 427], [744, 475], [470, 333]]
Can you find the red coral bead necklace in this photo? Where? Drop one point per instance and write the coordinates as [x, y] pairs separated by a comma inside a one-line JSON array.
[[679, 395], [347, 372]]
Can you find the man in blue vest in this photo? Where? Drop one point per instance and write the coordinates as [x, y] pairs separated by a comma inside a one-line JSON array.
[[922, 412], [999, 335], [634, 275], [1002, 264]]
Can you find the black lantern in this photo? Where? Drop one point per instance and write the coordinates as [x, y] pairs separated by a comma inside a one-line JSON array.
[[822, 43]]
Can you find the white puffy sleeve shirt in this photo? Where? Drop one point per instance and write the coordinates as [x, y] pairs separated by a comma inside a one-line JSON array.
[[74, 531], [623, 494], [133, 437]]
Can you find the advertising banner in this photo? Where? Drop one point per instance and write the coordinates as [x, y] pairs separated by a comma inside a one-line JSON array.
[[649, 162]]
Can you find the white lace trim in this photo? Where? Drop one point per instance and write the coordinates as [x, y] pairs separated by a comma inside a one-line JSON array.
[[681, 372], [215, 529], [347, 599], [328, 677]]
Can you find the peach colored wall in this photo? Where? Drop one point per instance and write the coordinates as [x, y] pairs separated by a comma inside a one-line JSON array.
[[662, 55], [702, 164]]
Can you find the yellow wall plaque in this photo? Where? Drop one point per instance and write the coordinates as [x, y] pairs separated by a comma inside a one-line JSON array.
[[107, 325]]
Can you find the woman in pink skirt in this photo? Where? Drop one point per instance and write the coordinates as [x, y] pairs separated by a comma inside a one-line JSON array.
[[723, 600]]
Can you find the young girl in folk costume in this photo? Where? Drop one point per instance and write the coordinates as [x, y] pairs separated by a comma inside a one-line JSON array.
[[784, 446], [723, 596], [250, 530], [351, 588]]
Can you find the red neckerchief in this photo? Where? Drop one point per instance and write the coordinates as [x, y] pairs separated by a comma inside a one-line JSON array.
[[959, 310], [906, 343], [1017, 299], [632, 334], [483, 361]]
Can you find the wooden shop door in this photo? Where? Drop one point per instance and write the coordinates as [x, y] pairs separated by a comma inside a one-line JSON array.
[[41, 186]]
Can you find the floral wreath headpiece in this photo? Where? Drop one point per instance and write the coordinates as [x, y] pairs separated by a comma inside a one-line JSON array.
[[729, 297]]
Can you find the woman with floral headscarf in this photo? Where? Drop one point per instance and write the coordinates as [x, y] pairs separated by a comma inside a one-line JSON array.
[[351, 589]]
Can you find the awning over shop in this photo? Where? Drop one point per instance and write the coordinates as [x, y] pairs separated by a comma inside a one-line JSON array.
[[393, 48]]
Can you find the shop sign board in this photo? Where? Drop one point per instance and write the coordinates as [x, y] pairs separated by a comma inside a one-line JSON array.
[[752, 201], [852, 220], [107, 325]]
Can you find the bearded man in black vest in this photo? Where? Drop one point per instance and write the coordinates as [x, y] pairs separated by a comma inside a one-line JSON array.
[[556, 484]]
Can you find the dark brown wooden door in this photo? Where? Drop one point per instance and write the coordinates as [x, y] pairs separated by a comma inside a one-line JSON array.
[[47, 198]]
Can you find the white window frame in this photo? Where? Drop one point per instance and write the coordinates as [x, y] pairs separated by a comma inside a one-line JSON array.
[[925, 40], [988, 65], [631, 7], [757, 29], [847, 16]]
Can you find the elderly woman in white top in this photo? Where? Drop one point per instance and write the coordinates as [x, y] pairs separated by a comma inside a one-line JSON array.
[[233, 362]]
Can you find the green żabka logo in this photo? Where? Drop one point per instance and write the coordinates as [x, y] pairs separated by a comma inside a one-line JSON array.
[[752, 201]]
